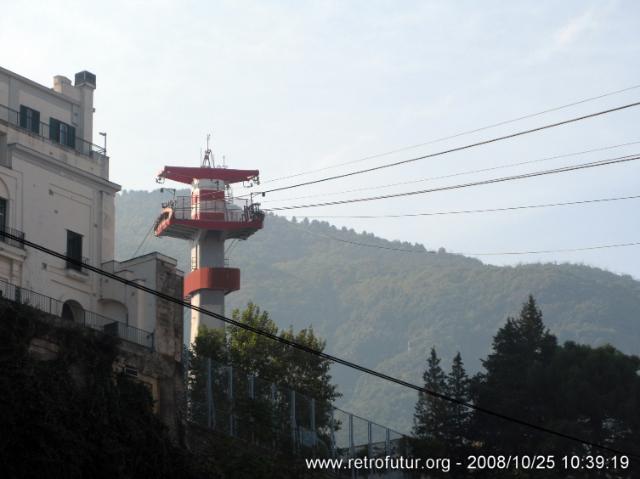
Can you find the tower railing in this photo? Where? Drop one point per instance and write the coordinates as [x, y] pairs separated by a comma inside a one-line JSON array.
[[236, 210]]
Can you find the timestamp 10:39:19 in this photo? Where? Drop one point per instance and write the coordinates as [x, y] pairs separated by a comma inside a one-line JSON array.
[[595, 462]]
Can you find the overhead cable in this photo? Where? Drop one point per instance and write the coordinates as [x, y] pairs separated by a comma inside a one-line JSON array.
[[453, 150], [456, 135], [563, 169], [307, 349], [453, 175], [482, 210]]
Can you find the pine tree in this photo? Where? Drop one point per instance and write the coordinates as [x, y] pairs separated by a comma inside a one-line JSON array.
[[431, 413], [513, 383], [458, 388]]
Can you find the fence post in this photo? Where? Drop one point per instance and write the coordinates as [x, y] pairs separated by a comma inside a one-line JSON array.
[[351, 445], [312, 411], [387, 443], [209, 396], [252, 390], [273, 422], [332, 439], [293, 418], [231, 408], [252, 396]]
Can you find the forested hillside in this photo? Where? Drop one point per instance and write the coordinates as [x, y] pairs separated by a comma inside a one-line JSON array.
[[386, 309]]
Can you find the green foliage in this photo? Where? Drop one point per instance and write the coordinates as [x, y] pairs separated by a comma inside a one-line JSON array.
[[275, 369], [589, 393], [69, 416], [442, 428], [431, 415], [522, 349], [459, 416]]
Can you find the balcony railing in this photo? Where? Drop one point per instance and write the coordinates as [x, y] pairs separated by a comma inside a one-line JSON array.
[[230, 209], [12, 232], [82, 146], [89, 319], [76, 266]]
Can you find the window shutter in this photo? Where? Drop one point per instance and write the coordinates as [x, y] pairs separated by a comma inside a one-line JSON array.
[[3, 215], [35, 122], [71, 136], [23, 116], [54, 129]]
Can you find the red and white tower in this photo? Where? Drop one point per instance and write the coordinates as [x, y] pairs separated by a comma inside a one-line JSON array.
[[208, 217]]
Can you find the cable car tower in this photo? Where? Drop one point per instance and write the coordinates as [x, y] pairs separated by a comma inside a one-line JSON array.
[[208, 217]]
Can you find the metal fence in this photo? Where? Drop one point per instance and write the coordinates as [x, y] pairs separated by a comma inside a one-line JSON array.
[[276, 417], [42, 130], [89, 319]]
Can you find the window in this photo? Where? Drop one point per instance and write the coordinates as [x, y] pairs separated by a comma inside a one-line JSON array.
[[30, 119], [74, 249], [62, 133]]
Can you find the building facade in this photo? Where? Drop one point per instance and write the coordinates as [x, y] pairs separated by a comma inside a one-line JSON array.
[[55, 191]]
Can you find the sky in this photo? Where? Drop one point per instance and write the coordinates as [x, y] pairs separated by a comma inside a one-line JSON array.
[[288, 87]]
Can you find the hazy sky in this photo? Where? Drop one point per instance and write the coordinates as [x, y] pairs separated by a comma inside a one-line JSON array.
[[291, 86]]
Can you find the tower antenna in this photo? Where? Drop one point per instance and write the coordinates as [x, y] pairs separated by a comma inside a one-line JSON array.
[[208, 160]]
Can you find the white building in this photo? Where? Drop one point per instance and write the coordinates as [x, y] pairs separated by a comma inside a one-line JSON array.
[[55, 189]]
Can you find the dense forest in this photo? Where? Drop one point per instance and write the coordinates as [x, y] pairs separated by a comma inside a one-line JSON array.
[[387, 309]]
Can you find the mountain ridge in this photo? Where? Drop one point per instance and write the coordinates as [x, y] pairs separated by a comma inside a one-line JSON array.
[[386, 309]]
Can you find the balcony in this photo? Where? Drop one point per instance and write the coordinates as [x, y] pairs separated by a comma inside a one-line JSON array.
[[69, 265], [10, 241], [88, 319], [184, 216], [12, 118]]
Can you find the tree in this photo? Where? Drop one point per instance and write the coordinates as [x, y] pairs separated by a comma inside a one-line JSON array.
[[431, 412], [254, 377], [598, 397], [459, 416], [514, 382]]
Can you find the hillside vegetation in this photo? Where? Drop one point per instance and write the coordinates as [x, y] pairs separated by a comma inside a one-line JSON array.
[[386, 309]]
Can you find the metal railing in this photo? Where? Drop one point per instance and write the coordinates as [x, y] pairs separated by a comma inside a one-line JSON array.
[[89, 319], [82, 146], [229, 209], [194, 263], [12, 232], [243, 405], [77, 267]]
